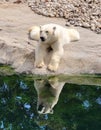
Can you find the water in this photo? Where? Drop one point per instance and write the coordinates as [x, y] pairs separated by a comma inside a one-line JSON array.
[[50, 103]]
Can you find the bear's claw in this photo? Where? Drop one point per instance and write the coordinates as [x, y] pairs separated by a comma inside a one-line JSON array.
[[40, 65], [52, 68]]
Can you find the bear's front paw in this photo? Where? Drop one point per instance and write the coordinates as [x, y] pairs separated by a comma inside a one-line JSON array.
[[52, 68], [40, 65]]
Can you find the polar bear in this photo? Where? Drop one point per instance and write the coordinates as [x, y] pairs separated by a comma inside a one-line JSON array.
[[34, 33], [48, 92], [55, 37]]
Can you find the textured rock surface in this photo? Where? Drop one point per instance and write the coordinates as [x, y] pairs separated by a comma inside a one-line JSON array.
[[17, 50], [84, 13]]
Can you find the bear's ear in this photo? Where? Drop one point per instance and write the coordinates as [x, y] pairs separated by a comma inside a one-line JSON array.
[[54, 28]]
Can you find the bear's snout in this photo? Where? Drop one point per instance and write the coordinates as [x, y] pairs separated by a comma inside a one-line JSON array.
[[40, 107], [42, 39]]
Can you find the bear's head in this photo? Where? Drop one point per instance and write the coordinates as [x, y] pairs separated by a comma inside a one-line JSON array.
[[45, 106], [47, 33]]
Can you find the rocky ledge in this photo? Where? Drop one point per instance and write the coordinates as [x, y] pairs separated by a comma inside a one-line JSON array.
[[83, 13], [82, 57]]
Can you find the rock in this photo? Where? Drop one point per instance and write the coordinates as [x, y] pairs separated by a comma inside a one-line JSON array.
[[93, 27], [67, 24], [86, 25], [85, 10], [17, 2]]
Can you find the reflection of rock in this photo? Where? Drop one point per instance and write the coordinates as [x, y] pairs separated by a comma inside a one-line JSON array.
[[48, 94]]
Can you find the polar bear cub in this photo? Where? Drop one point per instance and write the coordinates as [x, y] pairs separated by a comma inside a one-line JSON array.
[[55, 37]]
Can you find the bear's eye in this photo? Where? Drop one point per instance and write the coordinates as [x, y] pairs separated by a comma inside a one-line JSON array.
[[40, 31], [47, 32]]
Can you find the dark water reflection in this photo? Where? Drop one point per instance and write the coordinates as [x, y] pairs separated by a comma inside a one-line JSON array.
[[27, 103]]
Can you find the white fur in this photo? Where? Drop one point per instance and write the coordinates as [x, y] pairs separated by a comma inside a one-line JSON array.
[[34, 33], [48, 92], [73, 34], [54, 36]]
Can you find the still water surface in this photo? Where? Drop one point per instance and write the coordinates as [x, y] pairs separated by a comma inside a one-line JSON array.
[[30, 103]]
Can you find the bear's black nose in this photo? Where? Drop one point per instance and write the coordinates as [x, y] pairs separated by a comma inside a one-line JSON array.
[[40, 107], [42, 39]]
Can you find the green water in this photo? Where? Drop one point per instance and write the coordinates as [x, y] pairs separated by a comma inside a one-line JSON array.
[[78, 106]]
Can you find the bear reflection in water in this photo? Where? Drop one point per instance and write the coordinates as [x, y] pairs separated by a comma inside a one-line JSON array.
[[48, 94]]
